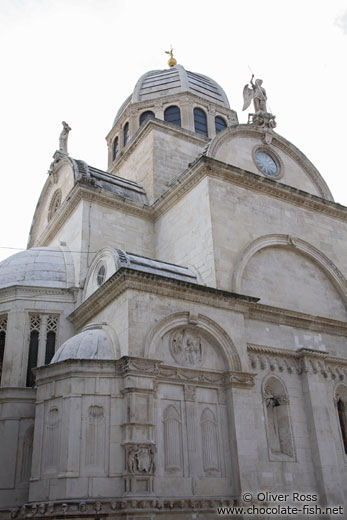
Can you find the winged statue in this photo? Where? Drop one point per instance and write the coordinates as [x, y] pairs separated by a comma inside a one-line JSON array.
[[257, 94]]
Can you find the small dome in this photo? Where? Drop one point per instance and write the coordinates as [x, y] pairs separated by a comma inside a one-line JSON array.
[[92, 343], [40, 266], [159, 83]]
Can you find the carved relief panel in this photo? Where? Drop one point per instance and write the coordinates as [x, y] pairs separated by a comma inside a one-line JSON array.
[[190, 346]]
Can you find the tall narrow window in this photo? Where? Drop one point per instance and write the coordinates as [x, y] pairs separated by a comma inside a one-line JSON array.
[[126, 134], [173, 115], [144, 116], [115, 148], [34, 335], [220, 124], [3, 328], [51, 333], [200, 121], [342, 419]]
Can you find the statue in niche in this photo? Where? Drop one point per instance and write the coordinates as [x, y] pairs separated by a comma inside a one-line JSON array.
[[257, 94], [63, 138], [186, 347]]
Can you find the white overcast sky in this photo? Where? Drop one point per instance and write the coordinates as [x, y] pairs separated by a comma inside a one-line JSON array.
[[77, 60]]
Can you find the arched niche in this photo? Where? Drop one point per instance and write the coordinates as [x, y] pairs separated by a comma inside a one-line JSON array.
[[341, 411], [277, 420], [192, 341], [287, 272]]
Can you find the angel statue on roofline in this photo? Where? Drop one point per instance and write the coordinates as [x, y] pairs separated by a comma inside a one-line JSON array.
[[257, 94]]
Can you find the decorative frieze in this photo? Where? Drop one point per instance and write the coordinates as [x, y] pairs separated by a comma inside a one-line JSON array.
[[110, 508], [297, 362]]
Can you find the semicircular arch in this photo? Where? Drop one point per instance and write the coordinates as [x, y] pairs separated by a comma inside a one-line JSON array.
[[295, 243], [200, 322]]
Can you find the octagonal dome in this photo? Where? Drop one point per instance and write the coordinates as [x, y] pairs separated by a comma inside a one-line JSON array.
[[92, 343], [38, 267], [159, 83]]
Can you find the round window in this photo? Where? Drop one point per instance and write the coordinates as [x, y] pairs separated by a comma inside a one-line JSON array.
[[101, 275], [266, 163]]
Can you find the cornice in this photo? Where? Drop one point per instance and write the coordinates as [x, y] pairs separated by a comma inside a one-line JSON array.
[[125, 279], [198, 170], [207, 166], [16, 292], [129, 279], [261, 312]]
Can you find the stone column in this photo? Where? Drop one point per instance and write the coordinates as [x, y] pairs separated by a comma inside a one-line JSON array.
[[318, 410], [138, 426], [243, 442], [211, 127], [16, 350]]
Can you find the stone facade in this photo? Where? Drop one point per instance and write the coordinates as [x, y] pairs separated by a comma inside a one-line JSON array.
[[175, 335]]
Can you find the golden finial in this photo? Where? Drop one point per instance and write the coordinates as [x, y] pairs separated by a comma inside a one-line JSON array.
[[171, 62]]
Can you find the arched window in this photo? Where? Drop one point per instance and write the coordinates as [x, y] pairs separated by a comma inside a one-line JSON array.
[[115, 149], [51, 335], [173, 115], [144, 116], [35, 326], [220, 124], [126, 134], [200, 121]]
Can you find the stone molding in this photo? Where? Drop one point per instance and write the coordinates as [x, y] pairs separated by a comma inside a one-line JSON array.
[[126, 278], [22, 292], [281, 316], [273, 240], [297, 362], [151, 368], [202, 167]]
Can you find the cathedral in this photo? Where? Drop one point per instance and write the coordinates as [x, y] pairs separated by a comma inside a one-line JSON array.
[[173, 340]]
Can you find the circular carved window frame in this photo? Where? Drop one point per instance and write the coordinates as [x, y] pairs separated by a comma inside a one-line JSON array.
[[274, 156], [96, 273], [53, 206]]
